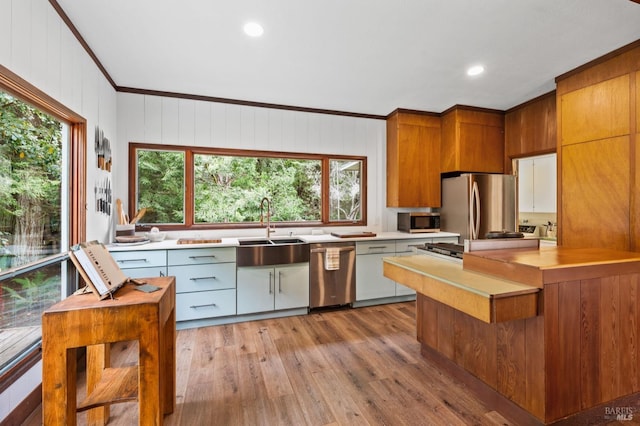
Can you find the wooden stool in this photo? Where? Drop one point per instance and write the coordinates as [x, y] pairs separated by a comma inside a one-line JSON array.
[[85, 321]]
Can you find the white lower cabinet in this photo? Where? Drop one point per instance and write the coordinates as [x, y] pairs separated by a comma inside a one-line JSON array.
[[142, 263], [370, 280], [205, 282], [205, 304], [269, 288]]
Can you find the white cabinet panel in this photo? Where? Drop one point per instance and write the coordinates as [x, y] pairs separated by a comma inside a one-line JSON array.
[[205, 304], [376, 247], [140, 258], [201, 255], [156, 271], [255, 289], [213, 276], [370, 281], [545, 184], [525, 185], [268, 288], [537, 184], [292, 286], [405, 246]]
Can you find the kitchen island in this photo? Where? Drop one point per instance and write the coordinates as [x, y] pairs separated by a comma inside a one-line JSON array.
[[575, 355]]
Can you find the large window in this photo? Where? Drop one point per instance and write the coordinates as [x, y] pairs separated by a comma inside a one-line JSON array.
[[212, 188], [41, 214]]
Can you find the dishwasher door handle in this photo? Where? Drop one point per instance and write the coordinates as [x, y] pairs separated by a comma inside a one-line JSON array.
[[324, 250]]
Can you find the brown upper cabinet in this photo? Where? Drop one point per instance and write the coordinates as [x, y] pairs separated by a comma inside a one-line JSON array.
[[530, 129], [472, 140], [413, 159]]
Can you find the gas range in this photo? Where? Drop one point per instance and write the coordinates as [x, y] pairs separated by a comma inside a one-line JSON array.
[[449, 250]]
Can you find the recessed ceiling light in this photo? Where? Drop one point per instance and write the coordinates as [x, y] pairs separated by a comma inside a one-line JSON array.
[[253, 29], [475, 70]]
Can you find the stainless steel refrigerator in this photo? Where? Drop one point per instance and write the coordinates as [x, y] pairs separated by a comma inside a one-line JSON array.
[[476, 204]]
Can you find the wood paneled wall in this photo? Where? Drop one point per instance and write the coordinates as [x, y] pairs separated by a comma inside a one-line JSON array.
[[580, 352], [597, 111]]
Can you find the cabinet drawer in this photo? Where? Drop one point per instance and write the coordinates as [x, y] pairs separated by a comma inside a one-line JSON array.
[[369, 247], [205, 304], [140, 259], [202, 255], [403, 246], [446, 240], [156, 271], [204, 277]]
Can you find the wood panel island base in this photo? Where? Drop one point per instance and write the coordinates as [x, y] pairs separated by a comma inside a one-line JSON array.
[[574, 360]]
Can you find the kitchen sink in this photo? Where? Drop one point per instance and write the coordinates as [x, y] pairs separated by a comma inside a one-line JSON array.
[[271, 251]]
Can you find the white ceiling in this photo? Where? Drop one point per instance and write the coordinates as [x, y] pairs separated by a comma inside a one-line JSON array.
[[361, 56]]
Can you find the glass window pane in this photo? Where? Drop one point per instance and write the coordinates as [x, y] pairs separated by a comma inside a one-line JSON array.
[[34, 224], [228, 189], [23, 299], [345, 189], [160, 185], [31, 178]]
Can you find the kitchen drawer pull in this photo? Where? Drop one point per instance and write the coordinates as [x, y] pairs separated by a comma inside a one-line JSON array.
[[203, 278], [203, 306], [202, 257], [132, 260], [377, 247]]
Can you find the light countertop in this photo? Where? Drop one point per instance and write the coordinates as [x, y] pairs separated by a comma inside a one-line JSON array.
[[171, 244]]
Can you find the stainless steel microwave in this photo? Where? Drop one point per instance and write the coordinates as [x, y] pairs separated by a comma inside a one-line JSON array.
[[416, 222]]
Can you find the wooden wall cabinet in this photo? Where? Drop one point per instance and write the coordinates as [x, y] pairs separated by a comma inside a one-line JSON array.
[[599, 161], [472, 140], [413, 159], [530, 129]]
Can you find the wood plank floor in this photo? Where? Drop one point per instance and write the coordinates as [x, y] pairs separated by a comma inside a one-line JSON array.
[[346, 367]]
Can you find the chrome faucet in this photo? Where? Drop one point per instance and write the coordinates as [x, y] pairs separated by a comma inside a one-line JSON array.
[[269, 229]]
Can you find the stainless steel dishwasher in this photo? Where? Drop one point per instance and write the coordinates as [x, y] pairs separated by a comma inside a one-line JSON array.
[[332, 274]]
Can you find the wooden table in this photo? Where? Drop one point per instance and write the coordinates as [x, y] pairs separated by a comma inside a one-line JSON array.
[[85, 321]]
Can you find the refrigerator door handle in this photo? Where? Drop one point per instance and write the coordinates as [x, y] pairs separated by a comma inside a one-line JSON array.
[[475, 211]]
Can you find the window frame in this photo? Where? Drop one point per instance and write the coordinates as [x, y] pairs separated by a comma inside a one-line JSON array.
[[25, 91], [189, 212]]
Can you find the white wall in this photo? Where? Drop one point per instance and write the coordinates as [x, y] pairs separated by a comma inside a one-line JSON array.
[[173, 121], [36, 45]]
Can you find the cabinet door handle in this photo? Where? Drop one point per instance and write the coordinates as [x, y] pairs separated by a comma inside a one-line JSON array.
[[279, 281], [202, 306], [202, 257], [270, 280], [203, 278], [132, 260]]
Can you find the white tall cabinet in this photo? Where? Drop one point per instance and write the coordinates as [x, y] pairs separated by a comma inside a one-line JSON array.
[[537, 183]]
